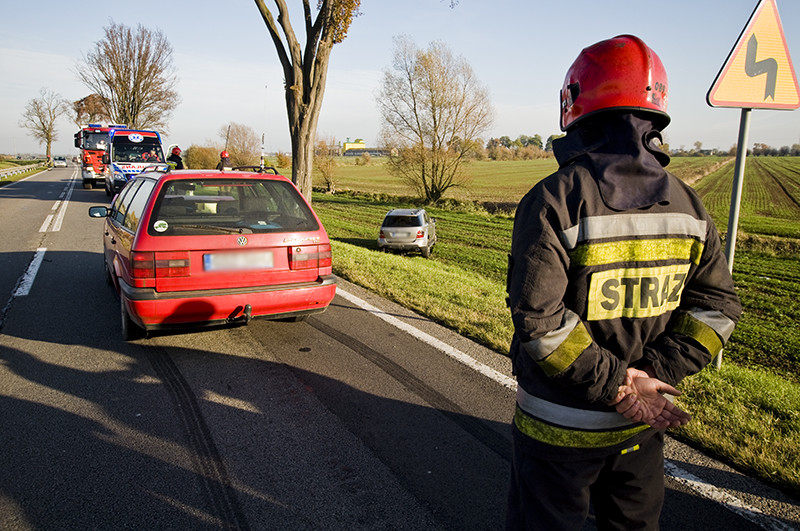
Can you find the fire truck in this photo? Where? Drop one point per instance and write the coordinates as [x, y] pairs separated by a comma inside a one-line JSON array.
[[92, 140]]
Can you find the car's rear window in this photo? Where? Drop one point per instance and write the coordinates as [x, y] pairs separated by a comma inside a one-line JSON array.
[[402, 221], [215, 206]]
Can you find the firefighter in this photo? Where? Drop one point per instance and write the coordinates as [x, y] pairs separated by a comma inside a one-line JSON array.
[[224, 160], [175, 159], [618, 289]]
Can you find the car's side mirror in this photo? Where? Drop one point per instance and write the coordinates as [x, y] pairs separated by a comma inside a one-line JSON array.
[[106, 158], [98, 212]]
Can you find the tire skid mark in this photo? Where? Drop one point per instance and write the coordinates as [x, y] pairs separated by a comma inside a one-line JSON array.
[[215, 482], [477, 429]]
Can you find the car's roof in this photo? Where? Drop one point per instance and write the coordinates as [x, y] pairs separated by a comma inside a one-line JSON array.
[[404, 212], [209, 174]]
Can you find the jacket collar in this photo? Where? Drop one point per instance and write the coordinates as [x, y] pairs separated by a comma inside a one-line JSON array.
[[620, 150]]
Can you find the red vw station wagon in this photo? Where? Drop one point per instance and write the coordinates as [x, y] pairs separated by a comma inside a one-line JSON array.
[[207, 247]]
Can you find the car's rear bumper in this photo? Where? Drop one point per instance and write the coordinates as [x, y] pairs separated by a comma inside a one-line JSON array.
[[402, 246], [153, 310]]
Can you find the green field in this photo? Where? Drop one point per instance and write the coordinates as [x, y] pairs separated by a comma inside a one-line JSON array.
[[748, 413]]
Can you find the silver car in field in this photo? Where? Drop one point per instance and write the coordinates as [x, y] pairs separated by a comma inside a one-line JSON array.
[[405, 230]]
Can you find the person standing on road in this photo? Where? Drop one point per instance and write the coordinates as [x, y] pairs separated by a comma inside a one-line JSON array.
[[175, 159], [618, 289]]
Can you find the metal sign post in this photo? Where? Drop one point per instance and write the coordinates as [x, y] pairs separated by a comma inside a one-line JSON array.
[[736, 190], [757, 74]]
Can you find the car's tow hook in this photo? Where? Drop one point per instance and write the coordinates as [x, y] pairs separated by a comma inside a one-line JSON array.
[[246, 316]]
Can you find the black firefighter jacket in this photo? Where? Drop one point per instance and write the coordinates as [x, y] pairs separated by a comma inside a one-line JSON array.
[[615, 263]]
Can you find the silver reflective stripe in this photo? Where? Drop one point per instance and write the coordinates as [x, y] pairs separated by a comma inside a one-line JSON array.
[[542, 347], [568, 416], [620, 226], [716, 320]]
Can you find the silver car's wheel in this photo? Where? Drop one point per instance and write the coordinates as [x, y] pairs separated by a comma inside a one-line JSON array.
[[426, 252]]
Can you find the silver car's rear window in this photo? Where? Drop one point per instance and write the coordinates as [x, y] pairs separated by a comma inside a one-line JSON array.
[[402, 221], [215, 206]]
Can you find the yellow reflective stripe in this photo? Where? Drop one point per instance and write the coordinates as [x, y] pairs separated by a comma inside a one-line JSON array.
[[567, 352], [569, 438], [699, 331], [544, 346], [593, 254]]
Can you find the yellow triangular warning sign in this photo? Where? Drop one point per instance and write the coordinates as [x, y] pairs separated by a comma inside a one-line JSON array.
[[758, 73]]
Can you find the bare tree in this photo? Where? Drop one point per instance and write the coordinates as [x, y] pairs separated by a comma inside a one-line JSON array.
[[242, 143], [132, 72], [305, 70], [89, 110], [325, 162], [433, 110], [40, 115]]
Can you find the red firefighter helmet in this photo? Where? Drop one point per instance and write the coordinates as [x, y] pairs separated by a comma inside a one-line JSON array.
[[618, 73], [223, 155], [176, 150]]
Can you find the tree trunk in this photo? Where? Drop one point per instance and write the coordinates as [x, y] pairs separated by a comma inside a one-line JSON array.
[[303, 161]]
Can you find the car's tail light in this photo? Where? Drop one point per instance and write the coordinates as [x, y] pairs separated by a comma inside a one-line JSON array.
[[143, 265], [172, 264], [382, 235], [420, 234], [310, 256], [161, 264]]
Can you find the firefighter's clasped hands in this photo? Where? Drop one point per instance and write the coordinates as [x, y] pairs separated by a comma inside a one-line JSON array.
[[641, 399]]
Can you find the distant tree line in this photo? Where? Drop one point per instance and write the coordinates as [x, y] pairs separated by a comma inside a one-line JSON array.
[[758, 150]]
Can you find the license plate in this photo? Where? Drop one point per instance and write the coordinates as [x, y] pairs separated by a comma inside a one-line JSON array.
[[237, 261]]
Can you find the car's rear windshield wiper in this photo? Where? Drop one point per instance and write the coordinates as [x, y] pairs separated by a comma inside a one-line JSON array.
[[233, 230]]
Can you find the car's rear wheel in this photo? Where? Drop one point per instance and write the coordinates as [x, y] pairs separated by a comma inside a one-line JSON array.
[[109, 280], [426, 252], [130, 330]]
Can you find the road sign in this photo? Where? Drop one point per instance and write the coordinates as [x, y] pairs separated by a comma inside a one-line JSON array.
[[758, 73]]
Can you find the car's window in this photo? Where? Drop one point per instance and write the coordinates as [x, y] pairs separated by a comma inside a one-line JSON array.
[[127, 151], [123, 199], [402, 221], [244, 205], [135, 209]]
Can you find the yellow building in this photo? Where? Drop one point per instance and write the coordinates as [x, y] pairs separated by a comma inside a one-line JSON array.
[[353, 145]]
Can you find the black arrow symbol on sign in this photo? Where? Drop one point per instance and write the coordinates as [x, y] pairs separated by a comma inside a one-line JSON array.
[[755, 68]]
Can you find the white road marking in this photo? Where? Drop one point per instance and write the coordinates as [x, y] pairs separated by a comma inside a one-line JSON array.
[[61, 207], [61, 213], [46, 223], [734, 504], [432, 341], [26, 282], [704, 489]]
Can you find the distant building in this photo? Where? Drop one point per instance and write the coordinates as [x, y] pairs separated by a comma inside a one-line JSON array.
[[358, 148], [353, 145]]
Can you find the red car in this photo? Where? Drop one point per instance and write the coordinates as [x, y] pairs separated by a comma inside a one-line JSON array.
[[205, 247]]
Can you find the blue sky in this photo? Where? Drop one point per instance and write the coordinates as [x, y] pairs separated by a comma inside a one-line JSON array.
[[520, 50]]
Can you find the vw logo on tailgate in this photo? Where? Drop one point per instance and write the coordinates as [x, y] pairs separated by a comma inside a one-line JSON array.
[[241, 241]]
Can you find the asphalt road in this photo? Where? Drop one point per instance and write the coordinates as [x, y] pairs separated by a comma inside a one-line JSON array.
[[364, 417]]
